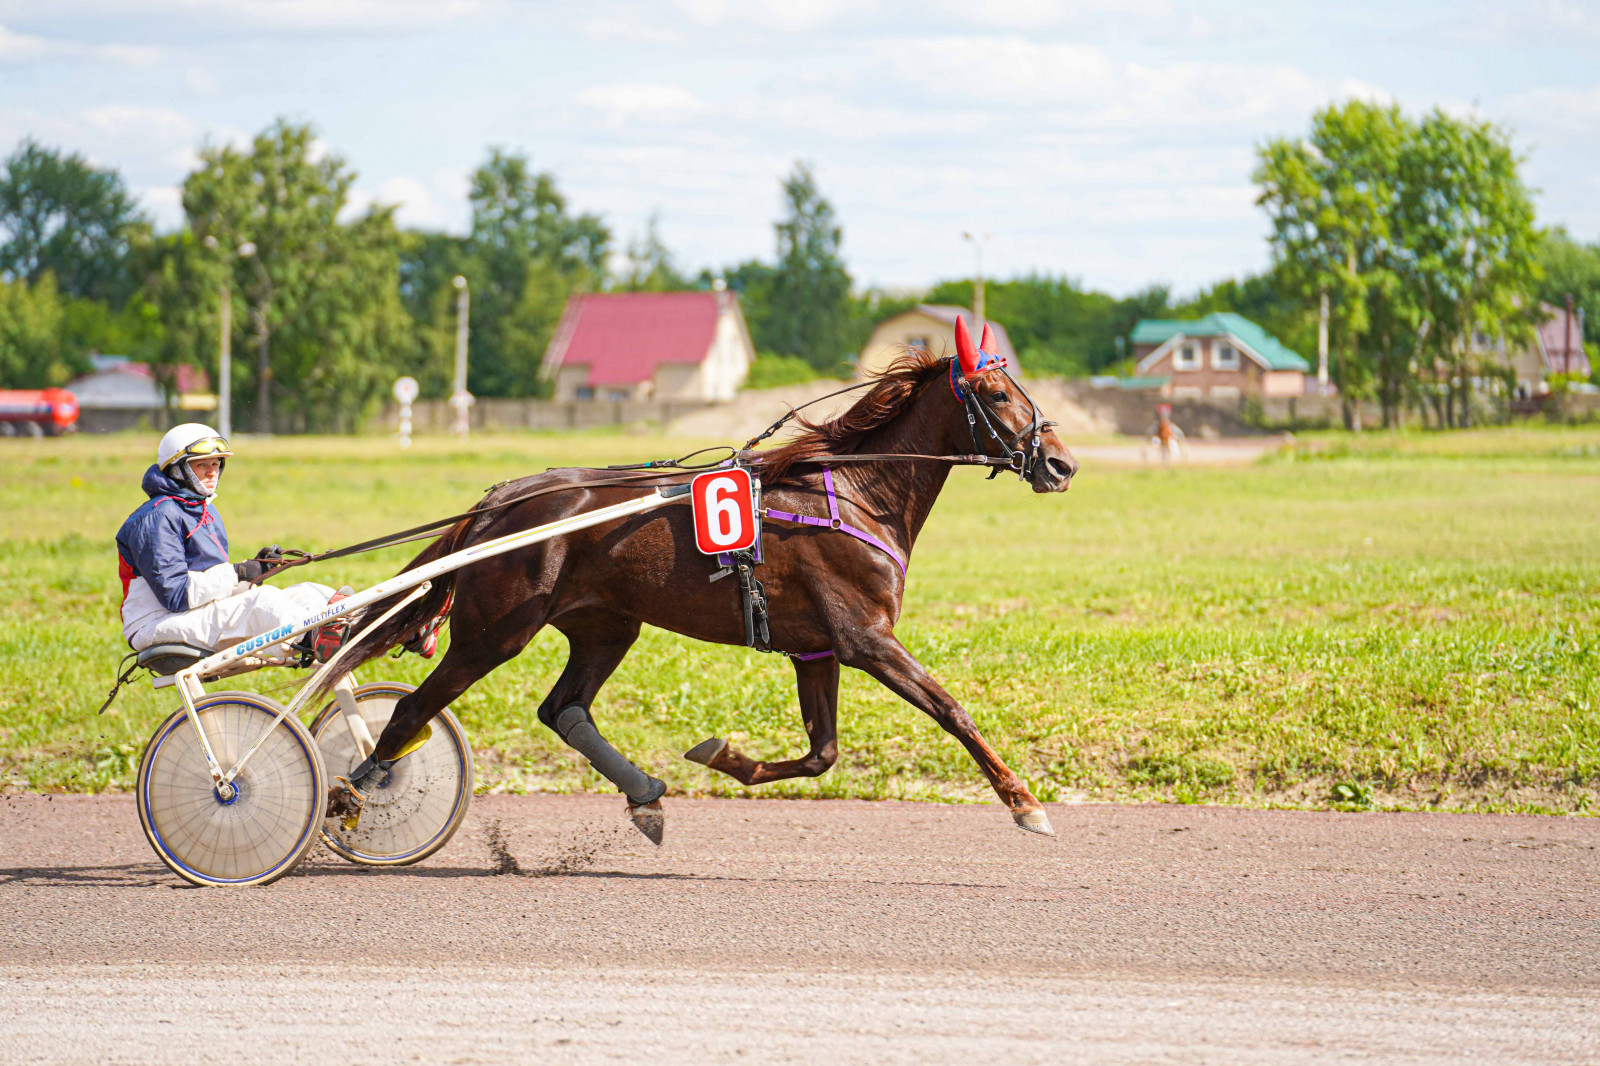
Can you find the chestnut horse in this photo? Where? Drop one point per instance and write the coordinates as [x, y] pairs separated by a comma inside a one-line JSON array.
[[826, 592]]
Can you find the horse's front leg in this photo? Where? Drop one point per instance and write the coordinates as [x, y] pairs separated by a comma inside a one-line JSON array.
[[818, 681], [875, 649]]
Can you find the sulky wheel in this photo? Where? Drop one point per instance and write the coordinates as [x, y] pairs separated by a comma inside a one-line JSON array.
[[262, 831], [417, 809]]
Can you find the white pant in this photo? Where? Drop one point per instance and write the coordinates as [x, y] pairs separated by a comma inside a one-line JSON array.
[[225, 622]]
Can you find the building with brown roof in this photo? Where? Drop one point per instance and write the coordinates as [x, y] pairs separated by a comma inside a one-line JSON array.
[[930, 327], [1556, 348]]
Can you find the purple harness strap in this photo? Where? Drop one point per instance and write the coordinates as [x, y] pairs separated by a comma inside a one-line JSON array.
[[833, 522]]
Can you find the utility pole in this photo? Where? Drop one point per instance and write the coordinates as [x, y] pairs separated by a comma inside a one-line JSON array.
[[460, 398], [225, 339], [977, 284], [1322, 345], [225, 364], [258, 315], [1566, 351]]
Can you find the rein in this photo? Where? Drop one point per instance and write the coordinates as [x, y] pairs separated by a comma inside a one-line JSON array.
[[1019, 460], [430, 530]]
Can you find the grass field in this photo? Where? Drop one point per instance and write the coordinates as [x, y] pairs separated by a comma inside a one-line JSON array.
[[1394, 621]]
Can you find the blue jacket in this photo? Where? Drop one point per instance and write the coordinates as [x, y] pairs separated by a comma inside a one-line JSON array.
[[173, 535]]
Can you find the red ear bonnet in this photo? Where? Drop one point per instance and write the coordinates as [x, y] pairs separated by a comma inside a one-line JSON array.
[[986, 343], [965, 351]]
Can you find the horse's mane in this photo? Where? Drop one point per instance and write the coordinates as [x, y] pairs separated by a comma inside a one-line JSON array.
[[888, 398]]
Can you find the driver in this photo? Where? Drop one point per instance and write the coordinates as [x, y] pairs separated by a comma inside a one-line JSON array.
[[172, 555]]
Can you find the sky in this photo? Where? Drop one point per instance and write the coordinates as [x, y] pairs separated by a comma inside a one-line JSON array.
[[1108, 141]]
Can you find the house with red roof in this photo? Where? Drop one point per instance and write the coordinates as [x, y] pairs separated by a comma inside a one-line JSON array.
[[650, 346]]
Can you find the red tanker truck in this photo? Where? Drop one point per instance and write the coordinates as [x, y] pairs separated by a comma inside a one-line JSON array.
[[37, 412]]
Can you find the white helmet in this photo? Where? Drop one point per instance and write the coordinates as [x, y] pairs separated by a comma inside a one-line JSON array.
[[191, 440]]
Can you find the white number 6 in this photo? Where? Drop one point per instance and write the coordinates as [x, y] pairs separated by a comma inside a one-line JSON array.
[[724, 524]]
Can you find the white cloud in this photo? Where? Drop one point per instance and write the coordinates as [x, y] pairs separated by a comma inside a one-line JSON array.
[[1560, 23], [364, 16], [417, 206], [159, 124], [1356, 89], [777, 14], [625, 101], [1074, 84], [24, 48], [1574, 111], [634, 28], [199, 80], [164, 203], [1012, 72], [18, 48], [153, 147]]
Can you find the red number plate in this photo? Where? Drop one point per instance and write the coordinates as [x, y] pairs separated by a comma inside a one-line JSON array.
[[724, 511]]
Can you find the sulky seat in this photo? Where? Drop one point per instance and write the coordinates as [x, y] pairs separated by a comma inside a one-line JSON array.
[[167, 659]]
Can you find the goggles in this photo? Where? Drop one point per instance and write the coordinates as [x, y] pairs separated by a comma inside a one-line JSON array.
[[207, 446]]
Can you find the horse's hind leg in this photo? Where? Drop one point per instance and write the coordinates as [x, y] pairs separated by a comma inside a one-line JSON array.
[[464, 662], [599, 640], [818, 681]]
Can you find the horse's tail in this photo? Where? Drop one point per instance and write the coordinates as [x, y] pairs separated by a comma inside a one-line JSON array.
[[366, 641]]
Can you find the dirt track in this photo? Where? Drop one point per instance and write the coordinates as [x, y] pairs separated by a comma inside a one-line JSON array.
[[803, 931]]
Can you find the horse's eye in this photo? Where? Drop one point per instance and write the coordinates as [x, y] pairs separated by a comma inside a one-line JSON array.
[[999, 397]]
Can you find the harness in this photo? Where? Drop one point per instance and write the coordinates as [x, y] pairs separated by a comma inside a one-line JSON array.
[[833, 521], [1023, 452]]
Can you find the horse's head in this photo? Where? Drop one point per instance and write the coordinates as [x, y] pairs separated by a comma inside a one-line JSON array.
[[1001, 419]]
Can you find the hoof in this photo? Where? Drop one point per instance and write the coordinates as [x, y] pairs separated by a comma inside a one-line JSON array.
[[706, 750], [345, 803], [1034, 821], [650, 820]]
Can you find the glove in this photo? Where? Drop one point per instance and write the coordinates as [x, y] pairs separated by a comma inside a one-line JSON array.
[[271, 553], [252, 570]]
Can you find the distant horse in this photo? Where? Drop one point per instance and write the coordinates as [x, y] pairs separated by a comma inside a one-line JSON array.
[[833, 599]]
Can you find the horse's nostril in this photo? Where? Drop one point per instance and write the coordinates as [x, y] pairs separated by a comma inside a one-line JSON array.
[[1062, 468]]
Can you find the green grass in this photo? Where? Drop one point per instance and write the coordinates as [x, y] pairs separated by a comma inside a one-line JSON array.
[[1385, 621]]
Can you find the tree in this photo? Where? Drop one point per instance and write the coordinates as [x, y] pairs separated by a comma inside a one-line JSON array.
[[1467, 228], [60, 215], [321, 296], [1571, 268], [1057, 325], [526, 254], [650, 264], [807, 312], [1332, 200], [30, 322], [429, 263], [1420, 234]]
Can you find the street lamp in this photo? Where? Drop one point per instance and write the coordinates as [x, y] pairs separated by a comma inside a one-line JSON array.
[[977, 287], [225, 340], [247, 250], [460, 398]]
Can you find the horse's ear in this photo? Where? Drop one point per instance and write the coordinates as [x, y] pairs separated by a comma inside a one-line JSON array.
[[986, 343], [964, 347]]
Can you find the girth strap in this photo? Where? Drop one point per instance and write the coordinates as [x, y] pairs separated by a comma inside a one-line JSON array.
[[834, 522]]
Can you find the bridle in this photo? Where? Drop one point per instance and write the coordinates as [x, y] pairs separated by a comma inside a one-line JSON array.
[[1024, 447]]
